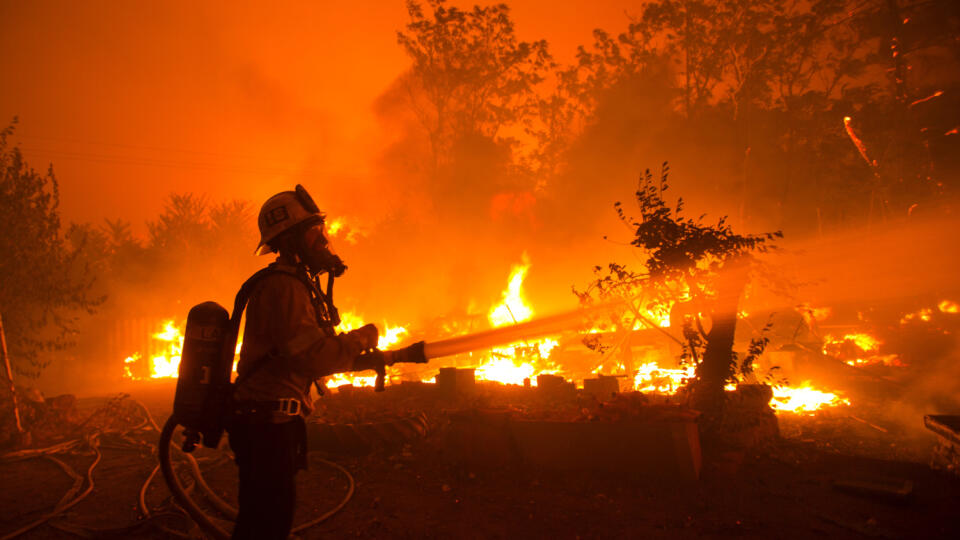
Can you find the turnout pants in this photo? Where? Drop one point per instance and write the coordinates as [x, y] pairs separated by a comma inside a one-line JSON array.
[[268, 456]]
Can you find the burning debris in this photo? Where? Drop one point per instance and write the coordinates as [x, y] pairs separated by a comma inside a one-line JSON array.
[[804, 399], [858, 349], [527, 362]]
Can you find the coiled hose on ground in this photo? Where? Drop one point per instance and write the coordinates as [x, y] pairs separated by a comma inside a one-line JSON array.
[[202, 518], [346, 439]]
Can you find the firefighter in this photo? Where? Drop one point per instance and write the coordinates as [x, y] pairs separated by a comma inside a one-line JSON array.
[[289, 342]]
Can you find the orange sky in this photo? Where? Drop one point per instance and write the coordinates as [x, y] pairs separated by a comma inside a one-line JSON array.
[[133, 100]]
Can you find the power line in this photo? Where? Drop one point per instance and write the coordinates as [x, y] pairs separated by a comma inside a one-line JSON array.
[[124, 145], [116, 159]]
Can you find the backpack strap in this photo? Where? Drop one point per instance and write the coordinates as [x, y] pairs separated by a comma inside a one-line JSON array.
[[240, 304]]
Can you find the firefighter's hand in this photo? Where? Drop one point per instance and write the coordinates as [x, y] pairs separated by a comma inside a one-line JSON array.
[[367, 336]]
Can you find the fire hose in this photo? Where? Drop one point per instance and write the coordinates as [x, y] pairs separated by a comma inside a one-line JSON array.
[[375, 360], [196, 513], [92, 441]]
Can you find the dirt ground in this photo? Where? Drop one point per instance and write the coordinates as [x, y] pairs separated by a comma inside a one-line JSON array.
[[784, 489]]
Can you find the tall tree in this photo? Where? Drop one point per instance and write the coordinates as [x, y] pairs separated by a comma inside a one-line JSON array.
[[687, 262], [45, 281], [470, 75], [762, 88]]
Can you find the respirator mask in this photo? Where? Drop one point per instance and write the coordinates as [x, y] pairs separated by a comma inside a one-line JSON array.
[[317, 253], [315, 249]]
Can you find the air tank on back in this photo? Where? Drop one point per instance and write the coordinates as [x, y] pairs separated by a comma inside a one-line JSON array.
[[204, 375]]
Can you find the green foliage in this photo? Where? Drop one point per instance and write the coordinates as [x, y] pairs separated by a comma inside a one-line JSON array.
[[46, 276]]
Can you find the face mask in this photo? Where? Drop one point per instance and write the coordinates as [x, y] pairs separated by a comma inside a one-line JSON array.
[[318, 254]]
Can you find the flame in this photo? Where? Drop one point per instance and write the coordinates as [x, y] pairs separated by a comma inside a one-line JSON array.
[[651, 377], [338, 228], [948, 306], [167, 364], [506, 370], [925, 315], [513, 308], [513, 363], [865, 342], [366, 380], [859, 349], [389, 335], [659, 315], [803, 399], [520, 362], [128, 363], [340, 379]]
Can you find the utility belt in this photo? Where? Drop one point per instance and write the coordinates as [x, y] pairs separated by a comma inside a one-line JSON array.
[[274, 411]]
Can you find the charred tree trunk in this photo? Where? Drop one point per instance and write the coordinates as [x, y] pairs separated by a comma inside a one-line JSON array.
[[13, 388], [718, 362]]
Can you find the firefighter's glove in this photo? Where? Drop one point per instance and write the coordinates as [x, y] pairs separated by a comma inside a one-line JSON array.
[[411, 354], [366, 336], [370, 360]]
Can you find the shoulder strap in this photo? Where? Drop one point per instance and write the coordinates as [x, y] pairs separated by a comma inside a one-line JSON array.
[[327, 313], [240, 304]]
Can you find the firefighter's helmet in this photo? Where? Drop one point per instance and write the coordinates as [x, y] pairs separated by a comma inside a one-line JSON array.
[[284, 211]]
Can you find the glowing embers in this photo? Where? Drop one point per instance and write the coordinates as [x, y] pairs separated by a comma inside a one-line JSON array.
[[804, 399], [859, 349], [924, 315], [948, 306], [928, 314]]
